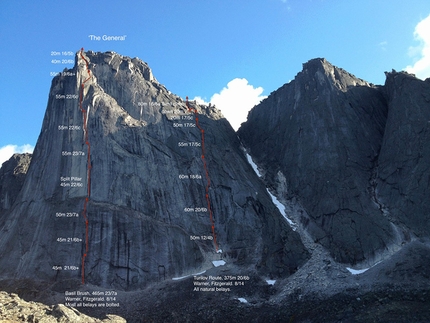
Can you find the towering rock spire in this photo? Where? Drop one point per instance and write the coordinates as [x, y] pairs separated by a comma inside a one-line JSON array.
[[115, 193]]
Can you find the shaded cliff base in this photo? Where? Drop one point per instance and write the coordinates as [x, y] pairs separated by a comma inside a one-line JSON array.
[[395, 290]]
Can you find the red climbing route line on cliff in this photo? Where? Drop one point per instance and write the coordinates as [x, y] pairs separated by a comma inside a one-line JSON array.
[[208, 180], [87, 198]]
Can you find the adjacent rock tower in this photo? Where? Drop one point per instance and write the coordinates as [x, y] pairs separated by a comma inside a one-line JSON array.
[[354, 155]]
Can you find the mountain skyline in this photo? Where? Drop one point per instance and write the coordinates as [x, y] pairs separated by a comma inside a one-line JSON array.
[[217, 52], [130, 186]]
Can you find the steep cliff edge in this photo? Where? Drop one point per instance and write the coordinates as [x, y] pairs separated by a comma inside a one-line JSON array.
[[403, 183], [320, 139], [12, 176], [136, 154]]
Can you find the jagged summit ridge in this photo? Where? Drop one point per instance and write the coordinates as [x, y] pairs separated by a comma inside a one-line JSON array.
[[117, 61], [323, 71]]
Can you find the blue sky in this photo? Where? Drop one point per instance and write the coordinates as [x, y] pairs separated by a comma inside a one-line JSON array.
[[198, 48]]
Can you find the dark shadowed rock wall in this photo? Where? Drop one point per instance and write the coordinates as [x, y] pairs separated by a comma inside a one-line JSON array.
[[404, 161], [12, 176], [354, 154]]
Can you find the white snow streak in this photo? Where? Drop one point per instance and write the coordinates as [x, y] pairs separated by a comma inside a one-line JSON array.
[[357, 271], [254, 166], [275, 201], [281, 209], [178, 278]]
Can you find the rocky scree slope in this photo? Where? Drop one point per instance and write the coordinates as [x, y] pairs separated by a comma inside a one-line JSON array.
[[15, 309], [138, 231], [354, 155]]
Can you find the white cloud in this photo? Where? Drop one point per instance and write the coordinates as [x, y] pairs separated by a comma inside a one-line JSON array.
[[7, 151], [236, 100], [383, 45], [200, 100], [421, 68]]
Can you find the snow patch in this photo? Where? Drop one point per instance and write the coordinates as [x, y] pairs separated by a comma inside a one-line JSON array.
[[275, 201], [281, 209], [254, 166], [360, 271], [357, 271], [218, 263], [178, 278], [200, 273], [242, 300], [270, 282]]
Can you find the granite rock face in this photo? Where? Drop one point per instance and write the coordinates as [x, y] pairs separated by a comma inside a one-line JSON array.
[[12, 176], [352, 153], [404, 161], [148, 215]]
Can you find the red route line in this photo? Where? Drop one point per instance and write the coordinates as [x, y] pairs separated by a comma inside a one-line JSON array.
[[208, 183], [84, 117]]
